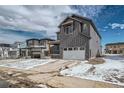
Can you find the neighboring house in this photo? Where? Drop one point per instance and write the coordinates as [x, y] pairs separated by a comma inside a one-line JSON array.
[[4, 48], [14, 50], [36, 48], [114, 48], [23, 49], [55, 47], [78, 38]]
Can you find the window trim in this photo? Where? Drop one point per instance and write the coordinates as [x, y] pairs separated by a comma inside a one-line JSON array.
[[82, 27], [68, 26], [85, 27]]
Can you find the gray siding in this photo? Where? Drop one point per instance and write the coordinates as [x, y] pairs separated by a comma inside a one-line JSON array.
[[95, 43], [75, 39], [88, 39]]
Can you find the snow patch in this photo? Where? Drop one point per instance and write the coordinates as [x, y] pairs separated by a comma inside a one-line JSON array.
[[27, 64], [112, 71]]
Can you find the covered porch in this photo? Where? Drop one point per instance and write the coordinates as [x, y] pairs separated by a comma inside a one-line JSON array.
[[54, 49]]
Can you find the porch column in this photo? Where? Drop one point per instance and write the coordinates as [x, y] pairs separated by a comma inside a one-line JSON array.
[[26, 52], [49, 51]]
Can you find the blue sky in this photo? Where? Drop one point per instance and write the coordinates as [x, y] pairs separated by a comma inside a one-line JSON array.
[[110, 23], [18, 23]]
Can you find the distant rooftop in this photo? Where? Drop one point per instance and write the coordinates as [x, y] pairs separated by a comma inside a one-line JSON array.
[[40, 39], [117, 43], [4, 45], [47, 39]]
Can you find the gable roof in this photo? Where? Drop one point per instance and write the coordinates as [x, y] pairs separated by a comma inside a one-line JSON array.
[[77, 17], [32, 39], [49, 39]]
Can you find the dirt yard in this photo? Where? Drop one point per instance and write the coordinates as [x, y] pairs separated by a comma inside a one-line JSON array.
[[96, 61], [46, 76]]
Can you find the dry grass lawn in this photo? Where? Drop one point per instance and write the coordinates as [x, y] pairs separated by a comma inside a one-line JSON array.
[[96, 61]]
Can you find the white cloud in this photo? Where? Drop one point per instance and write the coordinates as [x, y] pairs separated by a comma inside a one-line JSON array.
[[33, 18], [41, 18], [116, 25], [106, 27], [89, 11], [104, 30]]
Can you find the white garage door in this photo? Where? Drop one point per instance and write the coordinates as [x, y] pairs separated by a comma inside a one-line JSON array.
[[74, 54]]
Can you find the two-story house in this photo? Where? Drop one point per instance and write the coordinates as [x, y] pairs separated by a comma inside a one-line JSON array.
[[36, 48], [78, 38], [114, 48], [14, 50], [4, 49]]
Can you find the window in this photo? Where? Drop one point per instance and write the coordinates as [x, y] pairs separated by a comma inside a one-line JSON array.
[[58, 36], [36, 42], [65, 49], [84, 27], [114, 46], [68, 29], [42, 42], [57, 47], [69, 48], [81, 48], [75, 48], [30, 42]]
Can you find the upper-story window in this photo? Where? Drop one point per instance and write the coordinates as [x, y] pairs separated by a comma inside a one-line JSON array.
[[58, 36], [42, 42], [114, 46], [36, 42], [30, 43], [68, 29], [84, 27], [33, 42]]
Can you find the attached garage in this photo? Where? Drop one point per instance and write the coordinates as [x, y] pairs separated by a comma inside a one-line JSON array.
[[36, 56], [74, 53]]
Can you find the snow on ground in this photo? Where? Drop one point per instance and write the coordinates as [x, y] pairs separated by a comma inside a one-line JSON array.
[[112, 71], [27, 63], [10, 60]]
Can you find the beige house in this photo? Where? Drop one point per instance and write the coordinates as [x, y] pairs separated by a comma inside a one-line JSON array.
[[115, 48], [36, 48], [4, 49]]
